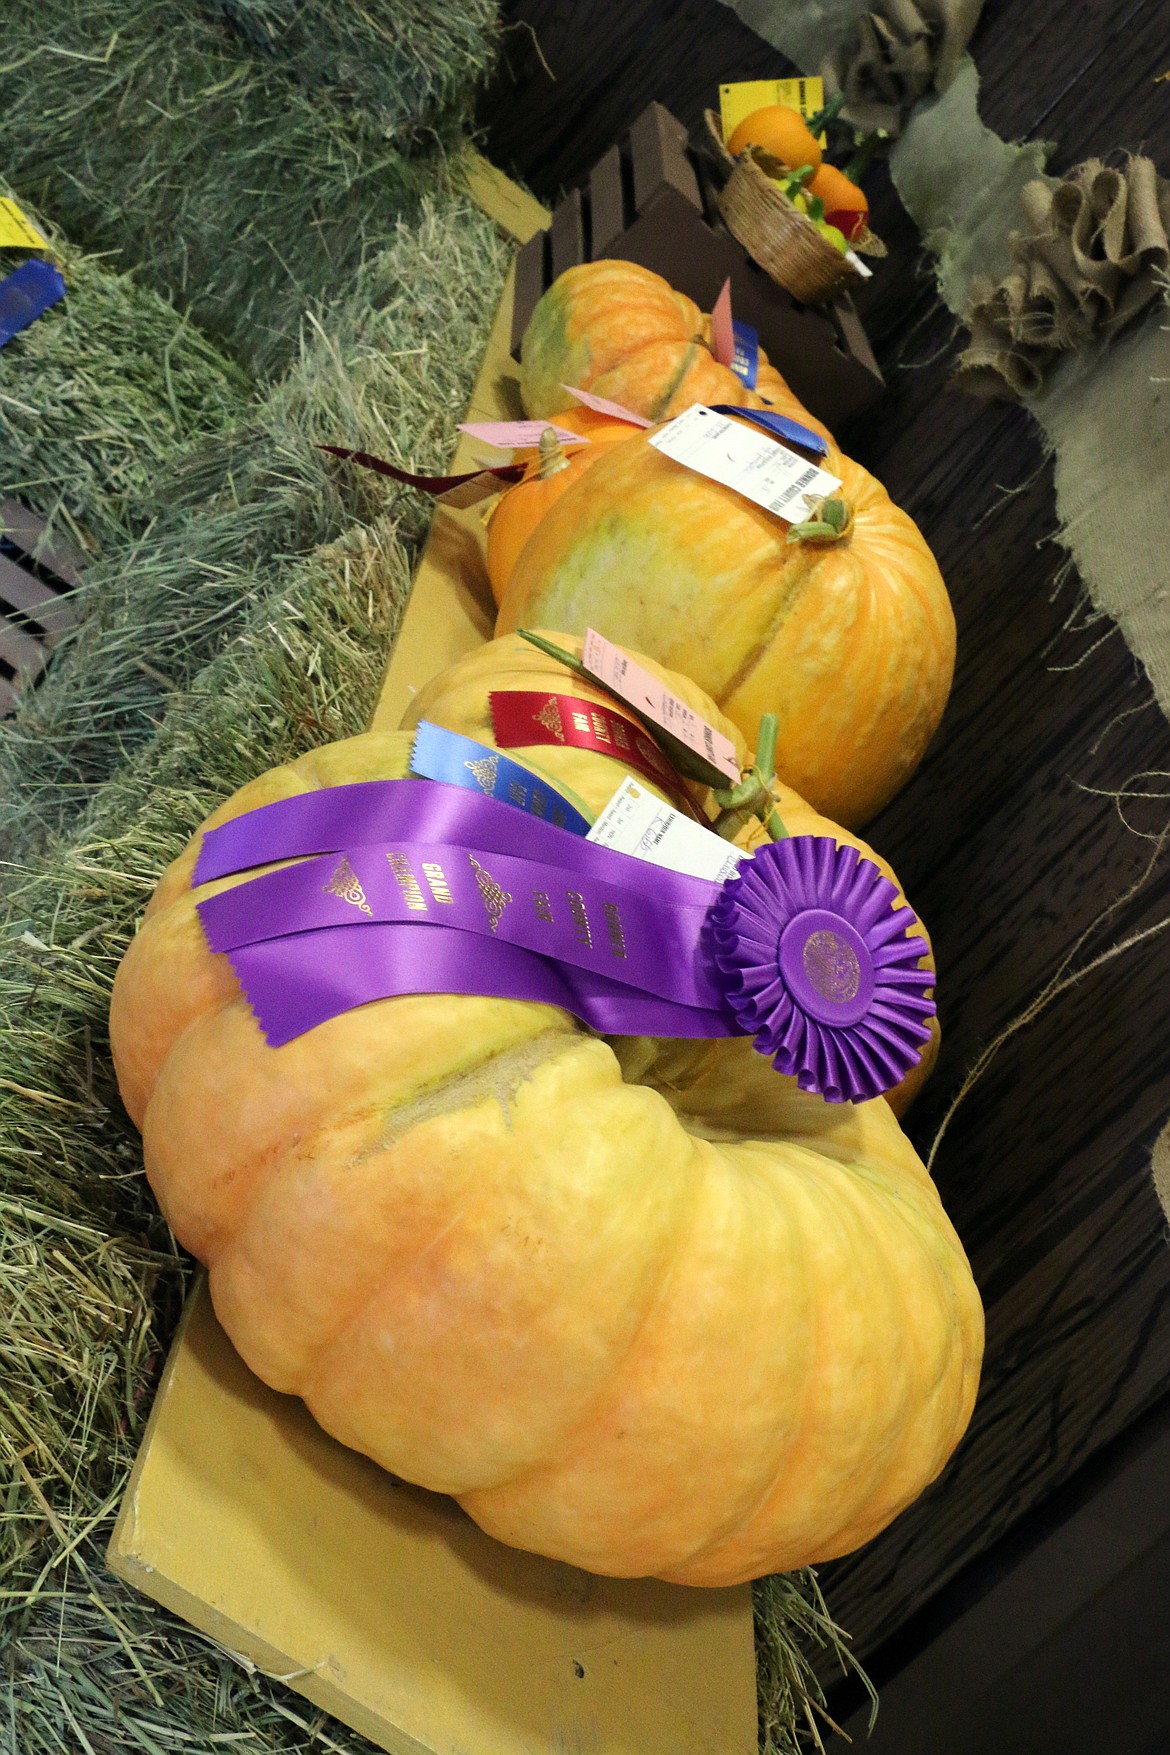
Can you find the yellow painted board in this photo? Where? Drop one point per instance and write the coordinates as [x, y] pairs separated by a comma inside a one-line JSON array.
[[381, 1603], [512, 208], [805, 93], [386, 1606]]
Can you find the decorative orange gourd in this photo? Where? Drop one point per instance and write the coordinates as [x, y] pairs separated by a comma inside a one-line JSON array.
[[622, 332], [519, 510], [851, 642], [781, 131], [642, 1306], [551, 470]]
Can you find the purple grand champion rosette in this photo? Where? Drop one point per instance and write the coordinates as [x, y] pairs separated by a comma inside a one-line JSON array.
[[819, 969], [410, 887]]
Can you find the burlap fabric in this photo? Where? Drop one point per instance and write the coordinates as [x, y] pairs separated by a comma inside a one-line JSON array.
[[897, 53], [1093, 256]]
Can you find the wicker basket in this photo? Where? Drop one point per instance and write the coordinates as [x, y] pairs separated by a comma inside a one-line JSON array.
[[784, 241]]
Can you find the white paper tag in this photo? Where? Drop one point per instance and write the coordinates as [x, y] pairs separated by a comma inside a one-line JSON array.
[[618, 671], [636, 822], [749, 461]]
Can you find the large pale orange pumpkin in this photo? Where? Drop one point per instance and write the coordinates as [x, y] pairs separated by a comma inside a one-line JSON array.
[[622, 332], [850, 643], [642, 1306]]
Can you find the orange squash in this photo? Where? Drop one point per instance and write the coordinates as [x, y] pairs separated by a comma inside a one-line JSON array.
[[624, 333], [851, 643], [780, 131], [642, 1306], [551, 471]]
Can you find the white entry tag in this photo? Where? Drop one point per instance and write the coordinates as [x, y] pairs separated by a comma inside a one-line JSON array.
[[747, 460], [636, 822]]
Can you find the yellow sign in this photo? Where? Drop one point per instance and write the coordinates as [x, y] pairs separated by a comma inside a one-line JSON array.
[[17, 232], [738, 101]]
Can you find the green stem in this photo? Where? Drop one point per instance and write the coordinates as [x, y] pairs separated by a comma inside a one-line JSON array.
[[765, 763], [753, 795], [827, 113], [867, 150]]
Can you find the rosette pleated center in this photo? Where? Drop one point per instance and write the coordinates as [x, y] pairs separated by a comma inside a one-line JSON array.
[[822, 969]]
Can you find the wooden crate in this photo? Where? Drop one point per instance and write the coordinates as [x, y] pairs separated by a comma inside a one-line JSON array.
[[651, 200], [37, 573]]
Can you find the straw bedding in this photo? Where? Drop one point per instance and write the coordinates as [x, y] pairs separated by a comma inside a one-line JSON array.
[[101, 393], [391, 375], [402, 68], [155, 130]]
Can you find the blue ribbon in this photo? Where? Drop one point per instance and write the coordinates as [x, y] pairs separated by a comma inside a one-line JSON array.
[[27, 292], [746, 360], [779, 426], [439, 754]]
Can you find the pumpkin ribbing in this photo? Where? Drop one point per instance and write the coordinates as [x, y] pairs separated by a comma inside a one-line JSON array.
[[546, 1273]]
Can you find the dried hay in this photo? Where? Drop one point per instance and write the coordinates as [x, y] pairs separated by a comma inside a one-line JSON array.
[[391, 375], [400, 67], [150, 129], [99, 394], [90, 1281]]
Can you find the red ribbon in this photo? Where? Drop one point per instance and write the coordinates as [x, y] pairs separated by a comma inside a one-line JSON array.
[[429, 484], [521, 719]]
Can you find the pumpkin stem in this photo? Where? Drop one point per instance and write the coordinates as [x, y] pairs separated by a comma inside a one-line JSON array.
[[828, 522], [551, 457], [752, 797]]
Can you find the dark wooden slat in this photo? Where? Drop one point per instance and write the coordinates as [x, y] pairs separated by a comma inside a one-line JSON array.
[[607, 213], [658, 146], [567, 234], [52, 613], [19, 650], [531, 266], [28, 532], [1037, 79], [1054, 1386], [1060, 1629], [607, 63], [9, 699]]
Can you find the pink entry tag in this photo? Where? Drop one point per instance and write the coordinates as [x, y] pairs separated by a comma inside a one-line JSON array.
[[722, 330], [617, 670], [514, 435], [601, 405]]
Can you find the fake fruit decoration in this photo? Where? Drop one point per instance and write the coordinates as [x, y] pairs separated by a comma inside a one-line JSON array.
[[845, 203], [643, 1306], [848, 638], [622, 332], [781, 132]]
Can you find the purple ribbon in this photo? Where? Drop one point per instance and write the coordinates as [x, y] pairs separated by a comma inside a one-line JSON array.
[[313, 940], [595, 922], [410, 887]]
